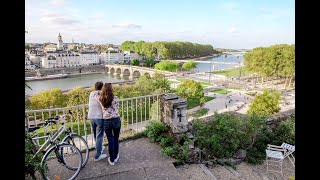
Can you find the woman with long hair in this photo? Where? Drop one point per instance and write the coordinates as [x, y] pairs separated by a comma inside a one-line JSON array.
[[112, 123]]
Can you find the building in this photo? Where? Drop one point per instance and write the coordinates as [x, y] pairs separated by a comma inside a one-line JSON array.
[[67, 59], [60, 59], [60, 42], [48, 62], [50, 47], [112, 57], [27, 62], [89, 58], [130, 55]]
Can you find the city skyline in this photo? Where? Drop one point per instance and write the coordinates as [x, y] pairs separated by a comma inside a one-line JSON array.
[[223, 24]]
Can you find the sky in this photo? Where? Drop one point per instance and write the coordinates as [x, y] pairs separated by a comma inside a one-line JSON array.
[[239, 24]]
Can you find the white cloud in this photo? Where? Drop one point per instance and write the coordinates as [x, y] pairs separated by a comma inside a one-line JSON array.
[[128, 26], [58, 19], [233, 29], [57, 2], [276, 13]]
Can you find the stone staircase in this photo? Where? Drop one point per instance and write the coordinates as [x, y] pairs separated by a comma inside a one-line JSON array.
[[141, 160]]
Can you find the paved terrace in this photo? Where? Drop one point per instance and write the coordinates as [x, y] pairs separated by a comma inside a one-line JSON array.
[[141, 160]]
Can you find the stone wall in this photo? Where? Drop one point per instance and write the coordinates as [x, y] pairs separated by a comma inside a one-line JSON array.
[[174, 113], [69, 70]]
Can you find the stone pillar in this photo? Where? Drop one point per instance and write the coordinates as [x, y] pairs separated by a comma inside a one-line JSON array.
[[173, 113]]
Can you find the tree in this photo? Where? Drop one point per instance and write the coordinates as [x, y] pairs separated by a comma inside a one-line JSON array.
[[77, 96], [160, 82], [149, 61], [135, 62], [191, 90], [273, 61], [266, 103], [167, 66], [189, 65], [26, 46], [47, 99]]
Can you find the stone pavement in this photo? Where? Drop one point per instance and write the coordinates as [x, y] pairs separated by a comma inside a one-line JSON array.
[[139, 159]]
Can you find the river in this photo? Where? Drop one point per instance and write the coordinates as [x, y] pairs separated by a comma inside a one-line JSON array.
[[90, 79]]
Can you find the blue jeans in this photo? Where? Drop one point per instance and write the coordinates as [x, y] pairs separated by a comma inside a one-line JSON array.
[[112, 129], [98, 136]]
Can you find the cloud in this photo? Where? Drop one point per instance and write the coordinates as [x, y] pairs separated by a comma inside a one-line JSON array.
[[127, 26], [57, 2], [233, 29], [276, 13], [59, 19]]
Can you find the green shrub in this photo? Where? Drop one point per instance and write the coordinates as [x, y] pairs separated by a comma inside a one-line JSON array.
[[224, 134], [167, 151], [32, 165], [135, 62], [166, 141], [155, 130], [284, 132]]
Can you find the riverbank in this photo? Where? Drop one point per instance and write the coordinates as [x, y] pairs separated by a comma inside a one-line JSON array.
[[67, 70], [199, 58]]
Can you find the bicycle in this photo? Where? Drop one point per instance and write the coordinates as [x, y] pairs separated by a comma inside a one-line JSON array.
[[56, 153]]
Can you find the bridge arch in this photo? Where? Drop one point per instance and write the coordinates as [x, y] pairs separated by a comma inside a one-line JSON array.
[[136, 73], [106, 69], [112, 70], [147, 74], [118, 71], [126, 72]]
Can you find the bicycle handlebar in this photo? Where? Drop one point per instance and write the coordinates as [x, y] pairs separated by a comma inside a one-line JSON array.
[[57, 118]]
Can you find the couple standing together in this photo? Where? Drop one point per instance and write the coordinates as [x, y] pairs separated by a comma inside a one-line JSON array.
[[104, 116]]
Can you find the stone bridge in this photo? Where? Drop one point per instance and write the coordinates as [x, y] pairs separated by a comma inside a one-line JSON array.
[[133, 71]]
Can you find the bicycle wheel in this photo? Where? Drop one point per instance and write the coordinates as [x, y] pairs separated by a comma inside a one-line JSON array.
[[81, 144], [55, 159]]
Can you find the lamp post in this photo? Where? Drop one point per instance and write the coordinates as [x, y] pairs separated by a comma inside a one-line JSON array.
[[210, 72], [240, 71]]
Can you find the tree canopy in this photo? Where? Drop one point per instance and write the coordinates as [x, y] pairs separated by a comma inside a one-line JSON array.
[[273, 61], [168, 50], [266, 103], [167, 66], [189, 65]]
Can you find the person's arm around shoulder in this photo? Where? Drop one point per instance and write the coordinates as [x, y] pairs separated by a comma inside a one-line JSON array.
[[116, 102]]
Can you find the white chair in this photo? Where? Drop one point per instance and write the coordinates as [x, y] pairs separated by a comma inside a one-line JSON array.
[[275, 155], [290, 149]]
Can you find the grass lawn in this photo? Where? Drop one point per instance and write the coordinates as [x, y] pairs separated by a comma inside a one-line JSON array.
[[220, 91], [194, 103], [235, 72], [201, 112], [173, 82]]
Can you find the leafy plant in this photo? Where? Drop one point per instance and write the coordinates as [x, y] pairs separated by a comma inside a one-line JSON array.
[[155, 130], [135, 62], [266, 103], [32, 165]]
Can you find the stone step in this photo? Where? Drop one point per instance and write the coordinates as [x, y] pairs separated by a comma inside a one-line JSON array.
[[195, 172]]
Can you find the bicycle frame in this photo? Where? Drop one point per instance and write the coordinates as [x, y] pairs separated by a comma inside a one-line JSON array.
[[51, 139]]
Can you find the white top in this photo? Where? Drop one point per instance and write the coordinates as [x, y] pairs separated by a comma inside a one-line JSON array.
[[95, 111]]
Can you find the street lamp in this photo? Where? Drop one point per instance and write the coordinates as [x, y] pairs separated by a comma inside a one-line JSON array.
[[210, 71], [240, 71]]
